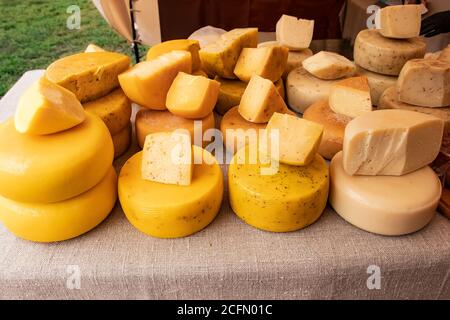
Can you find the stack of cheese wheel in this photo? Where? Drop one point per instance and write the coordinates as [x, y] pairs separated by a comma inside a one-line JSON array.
[[56, 174], [92, 77]]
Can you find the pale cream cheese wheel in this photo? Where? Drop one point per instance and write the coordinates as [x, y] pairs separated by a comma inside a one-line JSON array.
[[387, 205]]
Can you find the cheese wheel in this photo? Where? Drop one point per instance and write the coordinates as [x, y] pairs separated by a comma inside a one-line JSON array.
[[444, 203], [114, 109], [288, 200], [167, 210], [387, 205], [295, 60], [89, 75], [333, 127], [53, 167], [387, 56], [389, 100], [58, 221], [151, 121], [303, 89], [122, 140], [378, 83]]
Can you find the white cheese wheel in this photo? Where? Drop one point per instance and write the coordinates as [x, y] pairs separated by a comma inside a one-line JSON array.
[[378, 83], [385, 205]]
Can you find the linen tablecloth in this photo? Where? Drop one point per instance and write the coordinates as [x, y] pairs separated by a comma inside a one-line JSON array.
[[228, 260]]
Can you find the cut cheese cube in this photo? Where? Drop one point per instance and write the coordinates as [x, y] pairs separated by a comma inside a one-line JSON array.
[[298, 139], [260, 101], [444, 55], [94, 48], [219, 58], [329, 66], [269, 63], [148, 82], [377, 83], [391, 142], [192, 46], [400, 22], [167, 158], [425, 82], [47, 108], [351, 97], [296, 34]]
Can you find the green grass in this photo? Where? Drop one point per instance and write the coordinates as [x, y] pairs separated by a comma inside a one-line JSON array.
[[33, 33]]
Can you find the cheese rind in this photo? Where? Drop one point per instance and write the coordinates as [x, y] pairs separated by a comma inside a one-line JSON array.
[[121, 141], [329, 66], [288, 200], [192, 97], [50, 222], [400, 22], [296, 34], [378, 83], [351, 97], [391, 142], [425, 83], [88, 75], [192, 46], [387, 56], [385, 205], [171, 211], [148, 82]]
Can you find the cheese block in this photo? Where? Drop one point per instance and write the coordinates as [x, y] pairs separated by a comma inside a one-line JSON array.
[[231, 91], [333, 127], [167, 210], [385, 205], [425, 83], [329, 66], [148, 82], [114, 109], [260, 101], [47, 108], [288, 200], [54, 167], [444, 55], [151, 121], [58, 221], [351, 97], [93, 48], [295, 140], [400, 22], [296, 34], [122, 140], [303, 89], [192, 46], [391, 142], [219, 58], [88, 75], [268, 62], [444, 203], [387, 56], [377, 83], [192, 97]]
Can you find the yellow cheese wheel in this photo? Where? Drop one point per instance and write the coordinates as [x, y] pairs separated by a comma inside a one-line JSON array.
[[151, 121], [167, 210], [114, 109], [53, 167], [62, 220], [89, 75], [122, 140], [291, 199]]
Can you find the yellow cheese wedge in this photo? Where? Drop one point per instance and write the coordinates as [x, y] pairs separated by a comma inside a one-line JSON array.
[[93, 48], [114, 109], [147, 83], [122, 140], [192, 97], [192, 46], [171, 211], [151, 121], [50, 222], [386, 205], [267, 62], [289, 200], [219, 58], [88, 75], [351, 97], [47, 108], [53, 167]]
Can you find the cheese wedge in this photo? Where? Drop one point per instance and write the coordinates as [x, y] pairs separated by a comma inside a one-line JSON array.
[[148, 82], [192, 46], [400, 22], [296, 34], [329, 66], [47, 108], [93, 48], [192, 97], [351, 97]]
